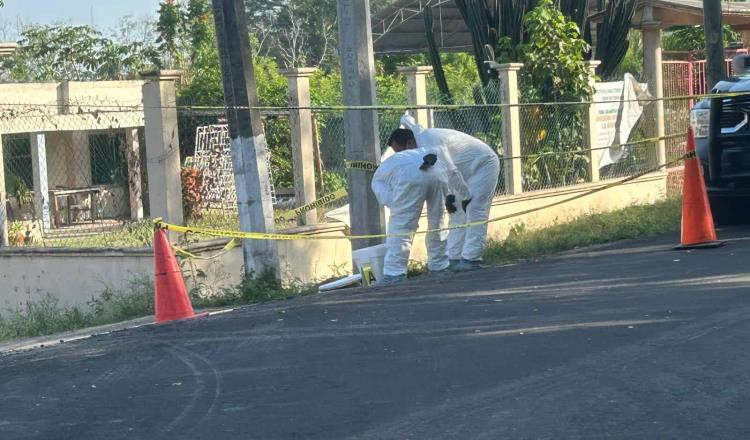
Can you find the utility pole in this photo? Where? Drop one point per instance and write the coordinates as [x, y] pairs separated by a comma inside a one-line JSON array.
[[361, 126], [715, 68], [248, 142]]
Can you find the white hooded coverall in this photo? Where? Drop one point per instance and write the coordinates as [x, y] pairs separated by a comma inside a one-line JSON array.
[[400, 185], [479, 166]]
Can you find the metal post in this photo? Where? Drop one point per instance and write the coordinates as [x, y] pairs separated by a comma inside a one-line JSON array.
[[247, 138], [715, 66], [361, 126]]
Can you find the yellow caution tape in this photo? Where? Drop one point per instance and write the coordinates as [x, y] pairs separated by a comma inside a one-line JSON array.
[[159, 223], [361, 165], [286, 216], [233, 243]]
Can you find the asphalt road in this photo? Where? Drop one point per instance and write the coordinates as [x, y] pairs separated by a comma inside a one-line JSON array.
[[625, 341]]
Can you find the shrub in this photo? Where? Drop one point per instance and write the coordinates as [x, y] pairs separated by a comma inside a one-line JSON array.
[[192, 192]]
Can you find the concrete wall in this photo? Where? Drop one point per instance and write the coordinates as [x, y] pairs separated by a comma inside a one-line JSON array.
[[76, 275], [59, 159], [647, 189], [125, 93], [29, 93], [72, 275], [70, 106]]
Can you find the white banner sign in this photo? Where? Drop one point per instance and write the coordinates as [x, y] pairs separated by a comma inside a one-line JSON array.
[[619, 106]]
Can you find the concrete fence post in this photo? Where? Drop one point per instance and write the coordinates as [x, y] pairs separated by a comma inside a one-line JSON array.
[[135, 189], [652, 61], [303, 156], [416, 81], [41, 179], [592, 128], [511, 127], [162, 145], [6, 49]]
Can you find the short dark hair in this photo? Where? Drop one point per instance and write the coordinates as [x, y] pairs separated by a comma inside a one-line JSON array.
[[401, 136]]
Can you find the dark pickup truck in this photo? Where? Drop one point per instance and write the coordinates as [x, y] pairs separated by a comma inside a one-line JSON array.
[[722, 132]]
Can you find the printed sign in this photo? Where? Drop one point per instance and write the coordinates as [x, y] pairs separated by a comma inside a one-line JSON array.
[[619, 106]]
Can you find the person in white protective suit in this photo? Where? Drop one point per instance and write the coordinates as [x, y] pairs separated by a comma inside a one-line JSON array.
[[479, 168], [404, 183]]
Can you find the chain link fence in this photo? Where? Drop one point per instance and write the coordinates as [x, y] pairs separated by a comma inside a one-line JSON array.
[[72, 171], [553, 145], [78, 176]]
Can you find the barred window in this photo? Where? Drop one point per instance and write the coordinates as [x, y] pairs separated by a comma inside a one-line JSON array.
[[19, 168], [108, 163]]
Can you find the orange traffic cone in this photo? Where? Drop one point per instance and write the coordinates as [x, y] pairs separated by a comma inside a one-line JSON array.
[[697, 222], [171, 300]]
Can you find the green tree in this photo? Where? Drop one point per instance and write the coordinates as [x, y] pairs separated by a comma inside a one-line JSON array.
[[168, 28], [554, 66], [297, 33], [79, 53], [184, 29], [200, 26], [554, 71], [692, 38], [633, 61]]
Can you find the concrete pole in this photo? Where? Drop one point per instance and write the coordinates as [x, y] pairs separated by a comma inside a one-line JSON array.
[[248, 141], [3, 201], [162, 145], [592, 128], [303, 155], [715, 66], [135, 188], [416, 80], [652, 65], [41, 178], [511, 127], [360, 126]]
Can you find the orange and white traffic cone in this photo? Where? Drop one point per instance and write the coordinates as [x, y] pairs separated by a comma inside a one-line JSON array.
[[698, 229], [171, 300]]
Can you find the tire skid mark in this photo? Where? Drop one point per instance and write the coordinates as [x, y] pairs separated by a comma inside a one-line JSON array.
[[206, 394]]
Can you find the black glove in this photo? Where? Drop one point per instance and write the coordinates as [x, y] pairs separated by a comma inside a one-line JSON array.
[[450, 204], [465, 203], [429, 161]]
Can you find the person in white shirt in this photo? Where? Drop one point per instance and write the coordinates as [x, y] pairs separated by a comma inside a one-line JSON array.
[[404, 183], [479, 168]]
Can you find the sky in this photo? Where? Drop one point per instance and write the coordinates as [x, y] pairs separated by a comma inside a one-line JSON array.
[[106, 14]]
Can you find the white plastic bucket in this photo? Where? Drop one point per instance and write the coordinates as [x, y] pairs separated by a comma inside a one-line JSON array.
[[374, 256]]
